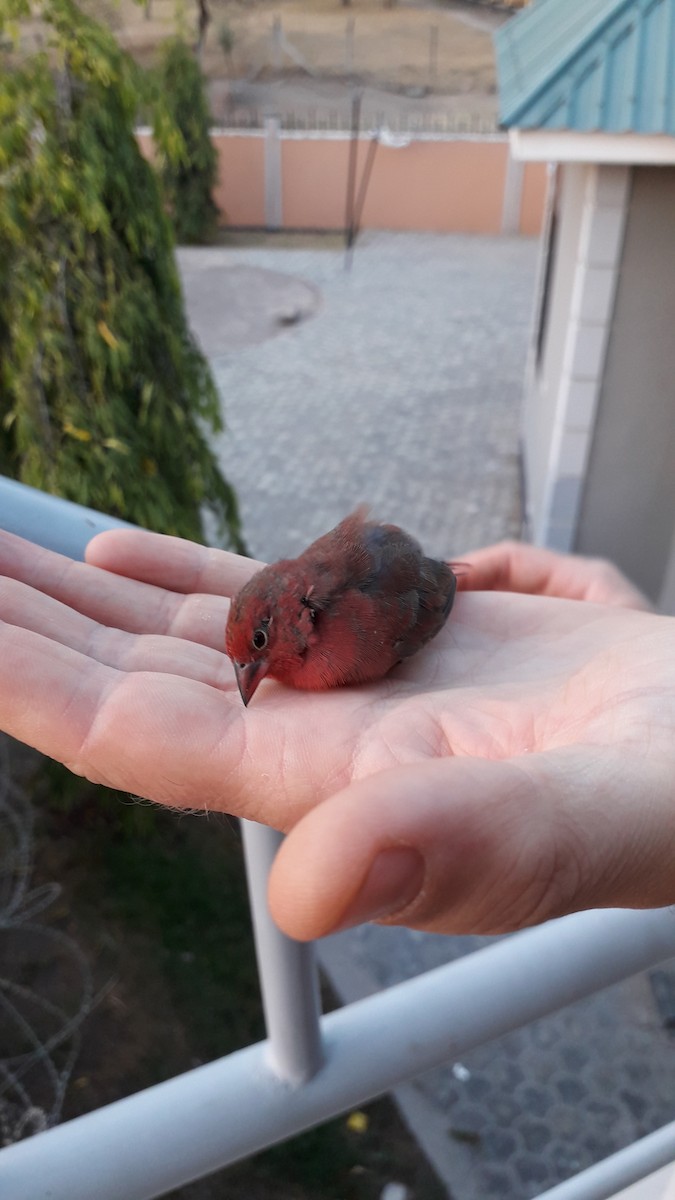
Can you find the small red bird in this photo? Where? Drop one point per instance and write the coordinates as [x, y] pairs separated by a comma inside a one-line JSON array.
[[356, 602]]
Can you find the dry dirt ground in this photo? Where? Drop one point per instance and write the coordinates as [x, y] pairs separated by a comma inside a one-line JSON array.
[[422, 53]]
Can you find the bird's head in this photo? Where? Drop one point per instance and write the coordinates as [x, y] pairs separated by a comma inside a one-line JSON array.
[[269, 627]]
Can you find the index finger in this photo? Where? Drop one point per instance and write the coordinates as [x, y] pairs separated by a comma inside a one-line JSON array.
[[170, 562]]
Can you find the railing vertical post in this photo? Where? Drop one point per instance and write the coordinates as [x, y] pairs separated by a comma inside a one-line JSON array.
[[288, 974]]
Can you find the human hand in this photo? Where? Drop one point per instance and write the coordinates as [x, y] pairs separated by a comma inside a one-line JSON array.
[[519, 767]]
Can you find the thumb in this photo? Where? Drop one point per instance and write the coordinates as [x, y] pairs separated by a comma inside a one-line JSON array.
[[468, 846]]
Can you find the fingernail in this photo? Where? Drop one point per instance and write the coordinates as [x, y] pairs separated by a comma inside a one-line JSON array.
[[392, 882]]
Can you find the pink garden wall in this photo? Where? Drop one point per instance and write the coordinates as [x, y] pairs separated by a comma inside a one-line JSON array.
[[299, 181]]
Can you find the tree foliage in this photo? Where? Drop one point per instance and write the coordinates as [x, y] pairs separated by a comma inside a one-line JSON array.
[[104, 397], [189, 164]]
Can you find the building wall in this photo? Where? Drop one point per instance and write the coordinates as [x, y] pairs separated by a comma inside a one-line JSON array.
[[426, 184], [440, 186], [628, 503], [545, 373], [240, 191]]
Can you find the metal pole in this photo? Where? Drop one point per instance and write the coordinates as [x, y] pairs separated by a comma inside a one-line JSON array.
[[363, 185], [620, 1170], [351, 177], [288, 974], [164, 1137]]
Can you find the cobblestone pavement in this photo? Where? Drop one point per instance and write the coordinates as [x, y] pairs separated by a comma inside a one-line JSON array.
[[403, 390]]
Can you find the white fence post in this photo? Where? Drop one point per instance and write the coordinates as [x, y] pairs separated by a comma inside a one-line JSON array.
[[273, 194]]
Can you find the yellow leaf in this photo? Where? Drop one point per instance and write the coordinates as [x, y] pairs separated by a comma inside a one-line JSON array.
[[114, 443], [107, 335], [149, 466], [357, 1122], [82, 435]]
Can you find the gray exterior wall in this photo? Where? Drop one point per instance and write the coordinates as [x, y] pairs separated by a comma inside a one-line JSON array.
[[628, 502]]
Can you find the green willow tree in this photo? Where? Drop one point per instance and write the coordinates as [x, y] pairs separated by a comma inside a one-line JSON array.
[[104, 397], [189, 169]]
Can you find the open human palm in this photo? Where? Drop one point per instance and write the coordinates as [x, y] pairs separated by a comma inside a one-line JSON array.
[[519, 767]]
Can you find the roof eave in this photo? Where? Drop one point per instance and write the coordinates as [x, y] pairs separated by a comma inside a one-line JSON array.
[[568, 145]]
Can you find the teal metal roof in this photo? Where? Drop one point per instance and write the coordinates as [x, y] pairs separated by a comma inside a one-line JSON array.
[[589, 65]]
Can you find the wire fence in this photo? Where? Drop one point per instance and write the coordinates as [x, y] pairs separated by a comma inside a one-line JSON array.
[[398, 46], [316, 119], [46, 986]]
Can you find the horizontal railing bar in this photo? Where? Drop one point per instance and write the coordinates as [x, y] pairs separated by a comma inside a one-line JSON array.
[[50, 521], [288, 973], [159, 1139], [620, 1170]]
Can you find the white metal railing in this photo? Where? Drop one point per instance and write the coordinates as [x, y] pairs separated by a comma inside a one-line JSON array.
[[310, 1068]]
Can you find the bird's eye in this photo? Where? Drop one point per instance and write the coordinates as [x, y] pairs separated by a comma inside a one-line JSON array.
[[306, 602], [259, 639]]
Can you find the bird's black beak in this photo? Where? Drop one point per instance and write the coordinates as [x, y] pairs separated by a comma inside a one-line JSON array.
[[249, 675]]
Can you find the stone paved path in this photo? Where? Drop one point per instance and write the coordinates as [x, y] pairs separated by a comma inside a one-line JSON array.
[[403, 390]]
